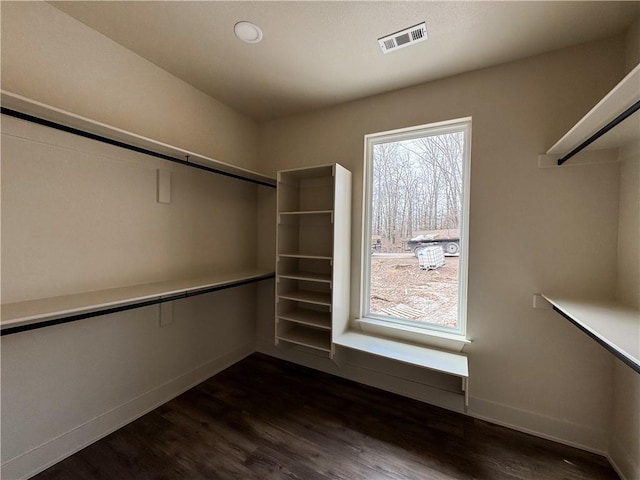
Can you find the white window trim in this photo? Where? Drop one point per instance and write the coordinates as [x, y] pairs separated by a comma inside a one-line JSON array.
[[440, 337]]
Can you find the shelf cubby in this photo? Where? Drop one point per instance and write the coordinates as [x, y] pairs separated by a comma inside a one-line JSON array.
[[307, 234], [317, 316], [307, 337], [317, 270], [306, 190], [306, 296]]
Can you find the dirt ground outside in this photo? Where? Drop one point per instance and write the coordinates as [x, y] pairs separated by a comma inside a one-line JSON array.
[[400, 288]]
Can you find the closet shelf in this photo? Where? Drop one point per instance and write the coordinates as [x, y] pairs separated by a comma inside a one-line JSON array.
[[308, 317], [308, 212], [613, 325], [317, 298], [306, 255], [28, 315], [308, 276], [31, 110], [308, 337], [601, 119]]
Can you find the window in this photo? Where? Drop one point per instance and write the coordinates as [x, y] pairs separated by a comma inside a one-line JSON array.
[[415, 226]]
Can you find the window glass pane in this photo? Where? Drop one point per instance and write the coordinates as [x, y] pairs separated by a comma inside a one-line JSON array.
[[416, 212]]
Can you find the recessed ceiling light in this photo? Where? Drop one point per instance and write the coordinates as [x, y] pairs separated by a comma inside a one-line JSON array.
[[247, 32]]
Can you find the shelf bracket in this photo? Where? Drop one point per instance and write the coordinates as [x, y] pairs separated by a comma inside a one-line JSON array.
[[585, 157]]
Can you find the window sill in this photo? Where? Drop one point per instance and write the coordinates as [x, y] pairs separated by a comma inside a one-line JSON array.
[[428, 338], [450, 363]]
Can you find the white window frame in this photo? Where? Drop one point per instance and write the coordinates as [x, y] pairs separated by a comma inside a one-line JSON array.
[[397, 327]]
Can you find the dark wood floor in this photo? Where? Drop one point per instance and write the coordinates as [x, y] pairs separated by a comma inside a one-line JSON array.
[[268, 419]]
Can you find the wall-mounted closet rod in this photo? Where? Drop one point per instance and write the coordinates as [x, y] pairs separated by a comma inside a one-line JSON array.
[[117, 143], [130, 306], [619, 119]]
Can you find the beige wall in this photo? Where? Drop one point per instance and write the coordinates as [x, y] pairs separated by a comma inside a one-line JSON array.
[[633, 45], [79, 216], [628, 261], [50, 57], [82, 216], [63, 387], [531, 230], [624, 448]]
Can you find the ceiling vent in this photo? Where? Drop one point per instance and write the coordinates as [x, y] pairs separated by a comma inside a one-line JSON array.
[[403, 38]]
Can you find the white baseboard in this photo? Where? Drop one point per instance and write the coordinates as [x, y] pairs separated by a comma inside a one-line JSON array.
[[622, 461], [56, 449], [550, 428]]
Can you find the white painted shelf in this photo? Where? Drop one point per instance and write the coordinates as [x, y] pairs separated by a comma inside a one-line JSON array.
[[307, 337], [27, 106], [308, 212], [308, 276], [625, 94], [305, 255], [312, 318], [318, 298], [613, 325], [28, 314]]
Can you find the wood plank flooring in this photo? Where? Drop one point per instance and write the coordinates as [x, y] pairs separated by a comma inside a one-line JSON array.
[[268, 419]]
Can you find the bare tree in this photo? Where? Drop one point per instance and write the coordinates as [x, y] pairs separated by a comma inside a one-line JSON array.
[[417, 185]]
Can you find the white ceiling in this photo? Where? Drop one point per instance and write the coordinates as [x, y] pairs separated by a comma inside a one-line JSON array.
[[316, 54]]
